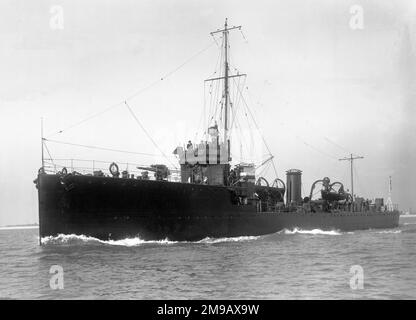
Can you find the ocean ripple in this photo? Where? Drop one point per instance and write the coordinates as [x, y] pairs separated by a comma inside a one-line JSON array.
[[311, 232]]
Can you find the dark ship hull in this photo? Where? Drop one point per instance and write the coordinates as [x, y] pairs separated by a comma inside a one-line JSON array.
[[109, 208]]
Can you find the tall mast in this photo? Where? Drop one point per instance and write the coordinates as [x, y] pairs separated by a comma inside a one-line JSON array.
[[225, 33], [226, 76], [351, 160]]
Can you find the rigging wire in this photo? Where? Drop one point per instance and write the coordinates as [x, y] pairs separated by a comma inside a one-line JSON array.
[[148, 135], [330, 141], [311, 146], [307, 144], [245, 39], [258, 129], [86, 119], [265, 169], [212, 99], [47, 150], [99, 148], [251, 133], [255, 123], [358, 182], [317, 149], [238, 96], [237, 125], [204, 114], [217, 101], [336, 144], [236, 105], [135, 93]]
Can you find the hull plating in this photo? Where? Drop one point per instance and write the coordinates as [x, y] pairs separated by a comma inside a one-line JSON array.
[[108, 208]]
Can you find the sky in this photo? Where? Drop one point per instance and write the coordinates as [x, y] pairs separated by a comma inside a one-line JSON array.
[[321, 85]]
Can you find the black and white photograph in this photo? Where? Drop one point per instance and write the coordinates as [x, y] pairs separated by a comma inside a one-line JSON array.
[[215, 151]]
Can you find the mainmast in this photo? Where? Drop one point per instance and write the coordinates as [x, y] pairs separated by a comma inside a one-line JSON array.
[[351, 159]]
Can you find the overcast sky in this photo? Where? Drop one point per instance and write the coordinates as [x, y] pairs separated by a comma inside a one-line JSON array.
[[319, 88]]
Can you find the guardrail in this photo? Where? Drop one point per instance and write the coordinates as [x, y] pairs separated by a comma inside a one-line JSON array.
[[92, 167]]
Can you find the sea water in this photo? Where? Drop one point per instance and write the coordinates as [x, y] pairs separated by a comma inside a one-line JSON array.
[[291, 264]]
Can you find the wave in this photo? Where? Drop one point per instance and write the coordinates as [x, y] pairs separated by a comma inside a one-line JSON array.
[[232, 239], [390, 231], [73, 239], [68, 239], [312, 232]]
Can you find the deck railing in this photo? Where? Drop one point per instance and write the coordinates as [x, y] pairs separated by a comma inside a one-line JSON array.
[[89, 167]]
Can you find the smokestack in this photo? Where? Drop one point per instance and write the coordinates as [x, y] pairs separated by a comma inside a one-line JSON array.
[[293, 186]]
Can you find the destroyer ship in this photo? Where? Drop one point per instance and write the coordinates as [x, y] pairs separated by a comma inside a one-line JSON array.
[[213, 196]]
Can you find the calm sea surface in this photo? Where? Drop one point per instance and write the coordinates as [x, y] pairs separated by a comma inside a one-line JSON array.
[[300, 264]]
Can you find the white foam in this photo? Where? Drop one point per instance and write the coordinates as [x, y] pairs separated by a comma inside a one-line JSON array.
[[390, 231], [77, 239], [68, 239], [131, 242], [312, 232], [232, 239]]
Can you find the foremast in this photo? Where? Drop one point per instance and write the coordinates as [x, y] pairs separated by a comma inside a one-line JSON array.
[[208, 162], [226, 91], [226, 77]]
